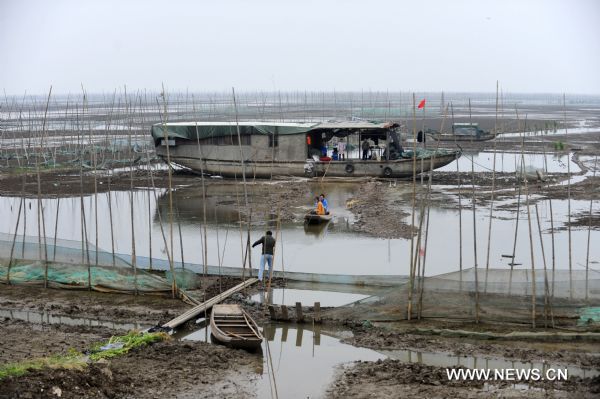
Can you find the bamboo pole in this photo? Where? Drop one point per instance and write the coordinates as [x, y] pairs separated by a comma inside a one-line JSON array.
[[84, 237], [93, 160], [149, 202], [547, 305], [412, 223], [460, 241], [12, 248], [474, 232], [551, 230], [518, 180], [568, 201], [131, 213], [56, 229], [427, 201], [109, 197], [166, 140], [587, 255], [487, 259], [533, 294], [205, 244], [243, 167], [39, 196]]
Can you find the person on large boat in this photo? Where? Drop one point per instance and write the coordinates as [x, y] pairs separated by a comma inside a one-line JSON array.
[[342, 149], [335, 156], [394, 150], [365, 149], [268, 247]]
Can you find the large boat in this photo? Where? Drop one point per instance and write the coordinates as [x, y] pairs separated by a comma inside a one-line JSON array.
[[265, 149], [462, 132]]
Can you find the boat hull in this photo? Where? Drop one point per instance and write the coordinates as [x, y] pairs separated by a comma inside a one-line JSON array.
[[349, 168], [233, 327], [317, 219]]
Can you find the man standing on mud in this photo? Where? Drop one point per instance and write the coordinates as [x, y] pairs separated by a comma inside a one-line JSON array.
[[268, 246]]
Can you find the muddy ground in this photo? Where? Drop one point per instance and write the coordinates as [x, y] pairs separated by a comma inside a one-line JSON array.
[[166, 369], [191, 369], [395, 379]]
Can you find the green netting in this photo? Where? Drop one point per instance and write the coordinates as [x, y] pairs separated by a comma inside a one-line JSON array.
[[192, 131], [186, 279], [102, 278], [68, 266], [501, 296], [425, 153]]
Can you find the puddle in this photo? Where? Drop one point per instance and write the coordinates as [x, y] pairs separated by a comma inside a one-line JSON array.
[[300, 352], [315, 354], [443, 359], [289, 297], [48, 318], [509, 162]]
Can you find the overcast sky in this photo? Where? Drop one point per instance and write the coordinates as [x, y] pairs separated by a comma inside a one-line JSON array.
[[420, 45]]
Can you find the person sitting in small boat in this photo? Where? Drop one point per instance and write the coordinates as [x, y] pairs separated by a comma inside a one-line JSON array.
[[325, 204], [335, 155], [320, 209]]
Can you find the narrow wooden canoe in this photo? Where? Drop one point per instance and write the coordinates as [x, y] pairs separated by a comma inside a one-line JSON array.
[[232, 326], [316, 219]]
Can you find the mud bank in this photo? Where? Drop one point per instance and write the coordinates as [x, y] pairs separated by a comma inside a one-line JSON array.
[[394, 379], [166, 369]]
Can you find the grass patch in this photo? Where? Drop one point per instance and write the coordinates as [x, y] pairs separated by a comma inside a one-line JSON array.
[[118, 345], [124, 343], [73, 360]]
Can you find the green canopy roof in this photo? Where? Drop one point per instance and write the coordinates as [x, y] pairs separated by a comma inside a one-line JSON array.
[[203, 130]]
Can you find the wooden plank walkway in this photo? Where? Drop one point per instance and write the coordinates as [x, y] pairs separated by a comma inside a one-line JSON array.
[[204, 306]]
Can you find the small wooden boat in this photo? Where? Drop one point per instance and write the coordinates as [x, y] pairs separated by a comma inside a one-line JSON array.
[[233, 327], [313, 218]]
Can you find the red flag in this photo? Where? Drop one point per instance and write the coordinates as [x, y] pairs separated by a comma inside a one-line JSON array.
[[421, 104]]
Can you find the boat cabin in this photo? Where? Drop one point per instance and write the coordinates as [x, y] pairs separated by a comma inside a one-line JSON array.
[[467, 129]]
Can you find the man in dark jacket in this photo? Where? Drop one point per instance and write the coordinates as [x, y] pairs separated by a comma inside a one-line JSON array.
[[268, 247], [365, 149]]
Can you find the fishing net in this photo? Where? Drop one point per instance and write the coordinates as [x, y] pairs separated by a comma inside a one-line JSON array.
[[500, 295], [72, 264], [70, 276]]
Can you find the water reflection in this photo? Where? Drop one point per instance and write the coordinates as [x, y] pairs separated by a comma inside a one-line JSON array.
[[509, 162], [317, 230], [289, 297], [49, 318], [304, 352]]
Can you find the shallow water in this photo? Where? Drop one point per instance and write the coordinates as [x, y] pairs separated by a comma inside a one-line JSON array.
[[509, 162], [300, 352], [35, 317], [289, 297], [331, 249], [314, 354]]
